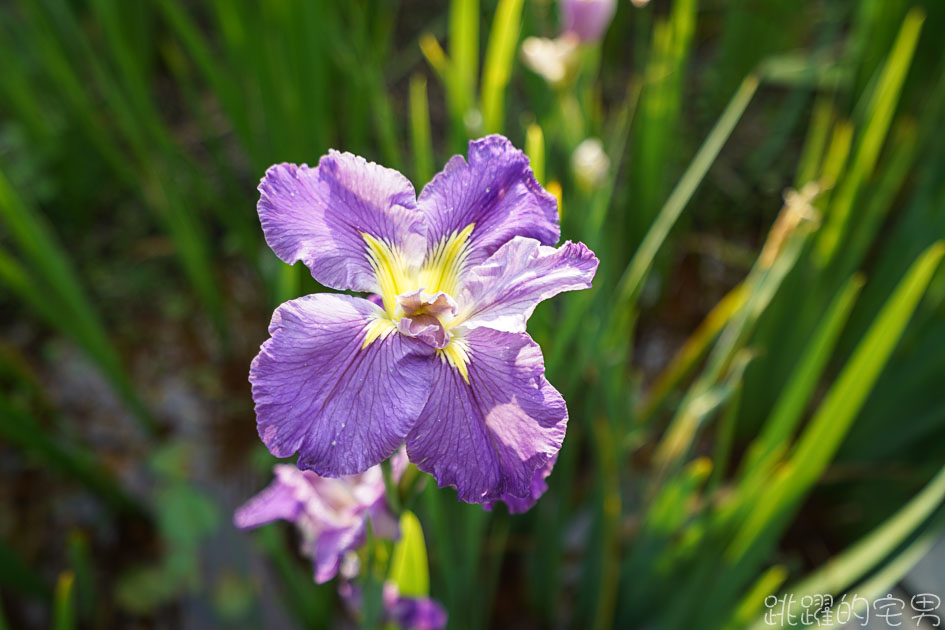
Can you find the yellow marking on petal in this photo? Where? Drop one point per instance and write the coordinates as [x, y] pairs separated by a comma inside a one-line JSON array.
[[444, 263], [378, 328], [390, 268], [457, 354]]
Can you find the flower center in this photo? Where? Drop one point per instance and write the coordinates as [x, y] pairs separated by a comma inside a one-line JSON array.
[[399, 273], [428, 313], [425, 316]]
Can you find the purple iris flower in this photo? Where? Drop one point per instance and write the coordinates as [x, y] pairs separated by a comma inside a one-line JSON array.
[[444, 362], [330, 514], [588, 19], [407, 613]]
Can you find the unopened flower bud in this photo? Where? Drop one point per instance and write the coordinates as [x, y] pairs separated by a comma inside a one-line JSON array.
[[590, 164], [554, 59]]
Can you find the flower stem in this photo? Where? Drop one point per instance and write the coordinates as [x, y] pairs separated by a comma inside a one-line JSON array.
[[390, 488]]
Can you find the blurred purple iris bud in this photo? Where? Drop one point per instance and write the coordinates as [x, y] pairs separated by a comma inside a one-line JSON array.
[[406, 613], [440, 360], [330, 514], [588, 19]]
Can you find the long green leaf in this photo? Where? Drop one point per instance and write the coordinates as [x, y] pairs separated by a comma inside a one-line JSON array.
[[420, 135], [70, 460], [307, 602], [858, 560], [535, 150], [63, 604], [464, 50], [893, 572], [817, 133], [822, 437], [656, 136], [779, 256], [633, 276], [794, 398], [133, 140], [82, 563], [78, 319], [17, 576], [849, 392], [500, 56], [878, 118]]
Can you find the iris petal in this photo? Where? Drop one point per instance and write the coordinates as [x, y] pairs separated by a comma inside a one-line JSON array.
[[321, 216], [520, 505], [320, 391], [489, 436], [278, 501], [496, 193], [503, 291], [329, 513]]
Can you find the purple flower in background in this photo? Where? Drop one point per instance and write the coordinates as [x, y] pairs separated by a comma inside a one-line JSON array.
[[413, 613], [444, 362], [588, 19], [407, 613], [329, 513]]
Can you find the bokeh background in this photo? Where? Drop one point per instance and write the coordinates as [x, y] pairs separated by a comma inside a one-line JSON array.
[[755, 382]]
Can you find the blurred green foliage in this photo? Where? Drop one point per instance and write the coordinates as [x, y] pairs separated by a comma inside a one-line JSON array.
[[806, 405]]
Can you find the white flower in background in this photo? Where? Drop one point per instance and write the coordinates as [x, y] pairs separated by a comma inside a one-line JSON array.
[[554, 59], [590, 164], [639, 3]]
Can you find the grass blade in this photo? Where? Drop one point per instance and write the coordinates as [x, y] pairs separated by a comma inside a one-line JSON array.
[[859, 559], [633, 276], [895, 569], [78, 319], [21, 429], [16, 576], [778, 257], [660, 106], [307, 602], [848, 393], [816, 142], [420, 135], [63, 605], [464, 51], [754, 599], [500, 56], [878, 117], [794, 398], [836, 413], [535, 150], [694, 348], [80, 559]]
